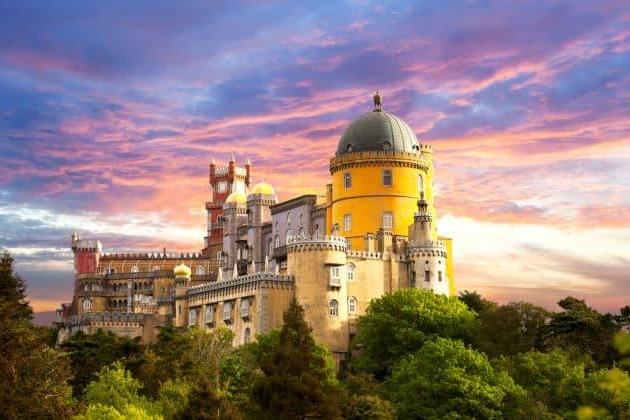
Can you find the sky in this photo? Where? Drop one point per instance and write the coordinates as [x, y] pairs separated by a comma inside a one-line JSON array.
[[111, 111]]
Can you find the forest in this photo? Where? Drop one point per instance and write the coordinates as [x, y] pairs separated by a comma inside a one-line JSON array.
[[416, 355]]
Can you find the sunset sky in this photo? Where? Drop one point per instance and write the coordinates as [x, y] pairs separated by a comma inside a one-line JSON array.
[[111, 111]]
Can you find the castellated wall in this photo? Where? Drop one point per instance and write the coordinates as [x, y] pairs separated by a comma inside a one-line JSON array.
[[313, 264]]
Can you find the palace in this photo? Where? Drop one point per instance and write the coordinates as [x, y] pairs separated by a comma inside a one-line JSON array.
[[373, 232]]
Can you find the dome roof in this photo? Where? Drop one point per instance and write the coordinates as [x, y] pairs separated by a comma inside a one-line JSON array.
[[378, 130], [236, 197], [262, 188], [182, 270]]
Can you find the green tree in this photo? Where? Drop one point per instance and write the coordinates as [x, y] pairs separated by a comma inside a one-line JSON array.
[[583, 327], [510, 329], [174, 397], [205, 402], [33, 376], [91, 352], [369, 407], [115, 390], [444, 379], [475, 302], [296, 380], [555, 379], [398, 324]]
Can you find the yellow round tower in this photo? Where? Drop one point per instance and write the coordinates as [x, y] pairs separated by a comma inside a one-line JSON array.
[[378, 173]]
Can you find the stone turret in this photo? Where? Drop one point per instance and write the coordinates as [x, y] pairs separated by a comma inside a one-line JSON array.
[[259, 200], [319, 268], [182, 282]]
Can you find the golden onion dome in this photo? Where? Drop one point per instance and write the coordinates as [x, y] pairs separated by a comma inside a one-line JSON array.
[[262, 188], [236, 197], [182, 270]]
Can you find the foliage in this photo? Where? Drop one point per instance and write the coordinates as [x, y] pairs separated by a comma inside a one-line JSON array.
[[33, 376], [206, 402], [510, 329], [448, 380], [174, 397], [475, 302], [295, 380], [369, 407], [400, 323], [555, 379], [89, 353], [115, 387], [581, 326]]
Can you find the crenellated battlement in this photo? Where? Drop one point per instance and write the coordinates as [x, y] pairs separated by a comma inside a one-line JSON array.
[[240, 284], [365, 255], [427, 249], [153, 256], [305, 243]]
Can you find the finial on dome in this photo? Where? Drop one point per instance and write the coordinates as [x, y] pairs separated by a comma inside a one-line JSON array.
[[232, 158], [212, 161], [378, 99], [249, 162]]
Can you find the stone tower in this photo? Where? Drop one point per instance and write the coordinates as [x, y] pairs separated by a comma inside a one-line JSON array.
[[259, 199], [223, 181]]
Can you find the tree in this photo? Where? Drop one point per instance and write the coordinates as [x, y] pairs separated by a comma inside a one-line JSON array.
[[174, 397], [205, 403], [510, 329], [13, 302], [583, 327], [296, 380], [33, 376], [369, 407], [115, 392], [444, 379], [555, 379], [476, 302], [398, 324], [91, 352]]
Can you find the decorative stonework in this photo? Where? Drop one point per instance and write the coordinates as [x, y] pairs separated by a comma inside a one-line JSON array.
[[379, 158]]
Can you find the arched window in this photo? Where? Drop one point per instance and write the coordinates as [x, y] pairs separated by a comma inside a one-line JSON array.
[[420, 184], [270, 246], [352, 304], [200, 270], [347, 180], [333, 308], [289, 235], [247, 336], [87, 303], [276, 241], [110, 270], [347, 222], [350, 271], [301, 232], [316, 232], [135, 269], [388, 220], [156, 268], [387, 177], [289, 217]]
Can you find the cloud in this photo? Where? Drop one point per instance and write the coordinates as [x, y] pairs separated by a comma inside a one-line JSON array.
[[110, 114]]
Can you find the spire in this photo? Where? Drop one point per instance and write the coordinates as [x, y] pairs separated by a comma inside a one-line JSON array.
[[378, 99], [249, 162], [232, 158], [423, 206], [212, 161], [220, 274]]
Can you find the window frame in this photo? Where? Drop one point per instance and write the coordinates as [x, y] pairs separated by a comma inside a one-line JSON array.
[[387, 173], [352, 304], [347, 222], [390, 216], [333, 308], [347, 180]]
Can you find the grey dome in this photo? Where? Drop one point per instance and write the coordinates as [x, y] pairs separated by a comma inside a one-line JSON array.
[[378, 130]]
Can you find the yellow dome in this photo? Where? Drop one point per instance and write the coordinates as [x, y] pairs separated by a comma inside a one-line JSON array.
[[182, 270], [263, 188], [236, 197]]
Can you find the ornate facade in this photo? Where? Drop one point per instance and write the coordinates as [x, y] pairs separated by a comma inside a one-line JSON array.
[[374, 231]]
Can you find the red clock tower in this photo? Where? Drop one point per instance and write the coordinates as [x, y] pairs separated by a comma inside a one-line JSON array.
[[223, 181]]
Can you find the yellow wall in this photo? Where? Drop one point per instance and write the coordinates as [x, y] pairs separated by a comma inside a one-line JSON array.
[[368, 199], [448, 243]]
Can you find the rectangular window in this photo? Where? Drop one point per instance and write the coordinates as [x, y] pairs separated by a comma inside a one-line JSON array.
[[388, 220], [347, 222], [387, 177], [335, 277], [439, 276], [227, 311], [192, 317], [219, 256], [427, 276], [412, 282], [244, 308], [347, 181]]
